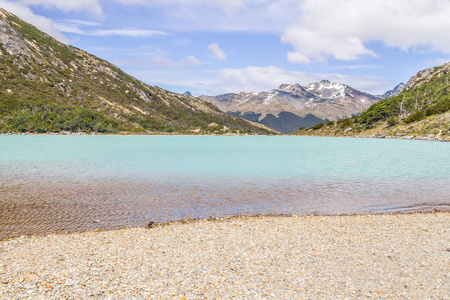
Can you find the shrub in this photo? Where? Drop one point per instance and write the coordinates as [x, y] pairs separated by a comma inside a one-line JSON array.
[[318, 126], [344, 123], [392, 121], [417, 116], [439, 107]]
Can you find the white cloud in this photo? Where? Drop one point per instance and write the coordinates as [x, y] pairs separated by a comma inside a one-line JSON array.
[[216, 52], [42, 23], [90, 6], [143, 50], [255, 79], [248, 79], [68, 28], [75, 26], [191, 60], [316, 29], [83, 22], [222, 15], [126, 32], [156, 58], [344, 29]]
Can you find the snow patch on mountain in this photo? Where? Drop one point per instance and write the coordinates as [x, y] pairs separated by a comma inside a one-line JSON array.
[[324, 100], [270, 97]]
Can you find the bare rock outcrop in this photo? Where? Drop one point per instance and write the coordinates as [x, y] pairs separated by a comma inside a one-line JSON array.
[[426, 75]]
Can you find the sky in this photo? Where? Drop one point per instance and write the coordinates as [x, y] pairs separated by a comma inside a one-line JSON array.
[[211, 47]]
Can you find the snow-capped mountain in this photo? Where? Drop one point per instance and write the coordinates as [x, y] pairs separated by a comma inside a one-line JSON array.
[[392, 93], [291, 106]]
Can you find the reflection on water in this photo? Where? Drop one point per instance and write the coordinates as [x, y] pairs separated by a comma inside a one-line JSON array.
[[33, 207], [51, 184]]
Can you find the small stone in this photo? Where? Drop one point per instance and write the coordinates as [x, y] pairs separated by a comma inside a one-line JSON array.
[[71, 283]]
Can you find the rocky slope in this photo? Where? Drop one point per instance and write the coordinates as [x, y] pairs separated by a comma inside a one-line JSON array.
[[292, 106], [392, 93], [47, 86], [420, 111]]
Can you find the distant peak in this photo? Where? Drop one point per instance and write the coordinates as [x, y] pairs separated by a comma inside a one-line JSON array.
[[292, 88], [283, 86], [325, 84], [397, 90], [187, 93]]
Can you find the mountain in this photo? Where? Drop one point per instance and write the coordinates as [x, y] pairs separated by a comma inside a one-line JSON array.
[[47, 86], [421, 110], [292, 106], [392, 93]]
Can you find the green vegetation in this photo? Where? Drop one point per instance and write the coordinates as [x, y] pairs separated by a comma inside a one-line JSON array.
[[414, 117], [428, 99], [419, 111], [25, 116], [345, 123], [318, 126], [61, 88], [392, 121], [31, 33]]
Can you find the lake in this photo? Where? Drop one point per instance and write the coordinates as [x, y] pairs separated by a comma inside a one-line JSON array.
[[72, 183]]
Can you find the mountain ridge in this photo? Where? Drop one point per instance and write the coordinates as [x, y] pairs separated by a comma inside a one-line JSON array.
[[394, 92], [48, 86], [321, 101], [421, 111]]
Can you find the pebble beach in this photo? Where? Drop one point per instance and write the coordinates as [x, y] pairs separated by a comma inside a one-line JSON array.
[[399, 256]]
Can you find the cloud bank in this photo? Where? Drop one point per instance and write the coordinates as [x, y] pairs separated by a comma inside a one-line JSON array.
[[317, 30], [222, 15], [343, 29], [74, 27], [255, 79]]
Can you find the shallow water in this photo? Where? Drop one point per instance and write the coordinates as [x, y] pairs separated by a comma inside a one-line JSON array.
[[71, 183]]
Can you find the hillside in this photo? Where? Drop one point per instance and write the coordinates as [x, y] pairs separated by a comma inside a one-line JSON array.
[[421, 111], [47, 86], [292, 106]]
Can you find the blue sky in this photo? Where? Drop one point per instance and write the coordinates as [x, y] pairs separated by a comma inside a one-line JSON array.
[[222, 46]]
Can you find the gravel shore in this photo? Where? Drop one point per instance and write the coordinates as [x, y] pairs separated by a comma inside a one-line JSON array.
[[404, 256]]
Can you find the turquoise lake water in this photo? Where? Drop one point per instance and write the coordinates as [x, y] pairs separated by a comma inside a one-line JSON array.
[[66, 183]]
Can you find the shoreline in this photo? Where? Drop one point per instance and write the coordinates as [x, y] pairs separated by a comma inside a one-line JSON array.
[[132, 134], [401, 255], [189, 220], [381, 136], [387, 137]]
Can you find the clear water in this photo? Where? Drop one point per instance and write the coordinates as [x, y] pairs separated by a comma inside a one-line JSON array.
[[67, 183]]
